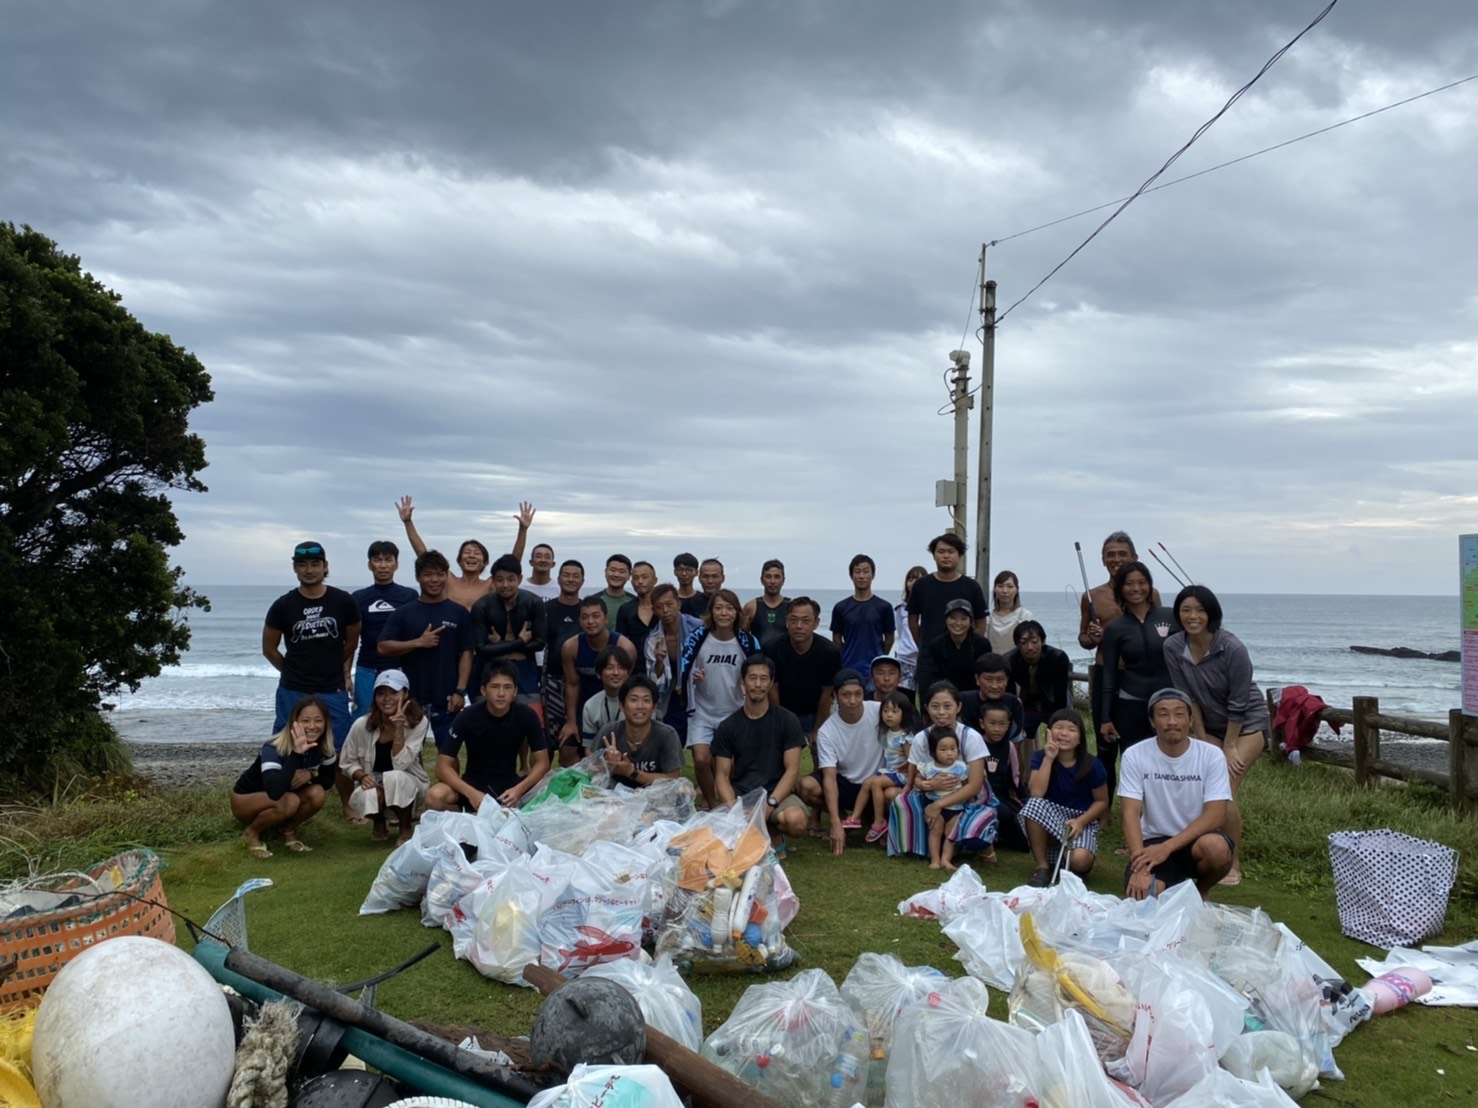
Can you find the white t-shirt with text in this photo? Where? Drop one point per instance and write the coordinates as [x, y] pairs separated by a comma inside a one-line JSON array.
[[1174, 791]]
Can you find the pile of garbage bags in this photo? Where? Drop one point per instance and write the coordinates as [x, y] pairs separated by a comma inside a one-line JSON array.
[[896, 1036], [1180, 1002], [587, 875]]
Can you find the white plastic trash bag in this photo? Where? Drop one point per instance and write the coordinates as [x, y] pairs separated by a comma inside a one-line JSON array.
[[961, 891], [1072, 1075], [1279, 1054], [878, 987], [505, 930], [596, 918], [1174, 1041], [796, 1041], [989, 938], [404, 875], [1220, 1089], [948, 1052], [610, 1086], [1391, 889], [667, 1004]]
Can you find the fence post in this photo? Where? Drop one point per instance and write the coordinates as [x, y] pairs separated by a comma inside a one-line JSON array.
[[1275, 733], [1458, 766], [1367, 738]]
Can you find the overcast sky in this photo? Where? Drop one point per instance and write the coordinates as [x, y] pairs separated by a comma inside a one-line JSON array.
[[686, 275]]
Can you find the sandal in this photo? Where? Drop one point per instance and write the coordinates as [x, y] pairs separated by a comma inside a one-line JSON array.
[[258, 850], [1233, 877], [851, 823], [781, 849], [297, 846], [876, 832]]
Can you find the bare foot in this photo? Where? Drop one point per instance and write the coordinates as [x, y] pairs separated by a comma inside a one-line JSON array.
[[950, 865], [351, 816], [935, 865]]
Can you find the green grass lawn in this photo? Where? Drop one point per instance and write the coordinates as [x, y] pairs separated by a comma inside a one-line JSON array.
[[309, 922]]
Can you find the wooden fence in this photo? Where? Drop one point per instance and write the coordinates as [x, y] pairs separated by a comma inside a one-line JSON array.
[[1367, 723]]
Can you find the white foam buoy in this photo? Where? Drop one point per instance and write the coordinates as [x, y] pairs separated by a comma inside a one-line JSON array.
[[133, 1021]]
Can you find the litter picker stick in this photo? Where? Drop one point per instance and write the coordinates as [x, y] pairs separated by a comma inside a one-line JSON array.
[[1176, 560], [1166, 568], [1083, 569]]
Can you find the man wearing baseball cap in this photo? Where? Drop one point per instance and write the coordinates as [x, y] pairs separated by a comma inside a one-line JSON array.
[[310, 637], [1174, 794]]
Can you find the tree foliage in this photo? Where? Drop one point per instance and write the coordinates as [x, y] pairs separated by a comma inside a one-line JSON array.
[[94, 431]]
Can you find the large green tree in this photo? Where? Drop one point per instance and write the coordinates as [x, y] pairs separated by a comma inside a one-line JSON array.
[[94, 431]]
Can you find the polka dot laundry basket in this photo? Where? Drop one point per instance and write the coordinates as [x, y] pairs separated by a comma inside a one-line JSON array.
[[1391, 889]]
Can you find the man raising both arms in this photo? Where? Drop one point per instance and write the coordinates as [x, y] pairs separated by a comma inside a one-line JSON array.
[[862, 624], [493, 732], [759, 747], [765, 615], [472, 557]]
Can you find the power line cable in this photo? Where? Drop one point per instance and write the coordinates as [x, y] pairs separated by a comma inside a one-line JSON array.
[[1234, 161], [1201, 130]]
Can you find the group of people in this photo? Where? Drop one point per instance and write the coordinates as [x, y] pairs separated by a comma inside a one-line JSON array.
[[921, 719]]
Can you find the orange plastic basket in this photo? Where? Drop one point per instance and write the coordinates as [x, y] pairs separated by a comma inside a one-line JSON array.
[[41, 944]]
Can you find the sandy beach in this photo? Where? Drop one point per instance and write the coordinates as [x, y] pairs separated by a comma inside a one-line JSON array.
[[171, 765]]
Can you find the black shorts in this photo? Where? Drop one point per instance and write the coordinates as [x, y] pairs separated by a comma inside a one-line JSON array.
[[1180, 866], [491, 789], [847, 792]]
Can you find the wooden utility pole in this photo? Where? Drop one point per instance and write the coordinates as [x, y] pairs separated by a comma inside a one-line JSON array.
[[987, 387]]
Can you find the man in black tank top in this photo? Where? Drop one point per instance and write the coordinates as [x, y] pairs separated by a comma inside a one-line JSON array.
[[764, 616]]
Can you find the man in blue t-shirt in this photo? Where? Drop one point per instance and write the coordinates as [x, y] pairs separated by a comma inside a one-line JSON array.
[[862, 624], [431, 639], [376, 602]]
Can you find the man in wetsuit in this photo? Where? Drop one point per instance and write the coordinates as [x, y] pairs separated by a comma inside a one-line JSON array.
[[509, 623], [1042, 674], [765, 615], [561, 622], [493, 731]]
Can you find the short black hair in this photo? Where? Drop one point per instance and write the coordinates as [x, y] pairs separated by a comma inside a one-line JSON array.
[[1207, 599], [941, 687], [500, 667], [757, 660], [593, 601], [432, 559], [507, 563], [773, 563], [542, 546], [994, 706], [711, 562], [806, 602], [861, 560], [622, 558], [564, 565], [991, 663], [685, 559], [639, 681], [949, 538], [383, 546], [608, 652], [1025, 626]]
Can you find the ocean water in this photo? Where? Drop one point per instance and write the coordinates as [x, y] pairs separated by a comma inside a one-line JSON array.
[[223, 688]]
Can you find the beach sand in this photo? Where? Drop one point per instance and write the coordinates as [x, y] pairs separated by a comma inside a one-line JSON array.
[[192, 747], [172, 765]]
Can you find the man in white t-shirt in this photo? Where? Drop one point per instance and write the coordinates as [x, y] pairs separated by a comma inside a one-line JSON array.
[[847, 754], [1174, 794]]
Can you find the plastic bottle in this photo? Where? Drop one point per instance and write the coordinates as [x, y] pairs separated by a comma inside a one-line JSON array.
[[1395, 989]]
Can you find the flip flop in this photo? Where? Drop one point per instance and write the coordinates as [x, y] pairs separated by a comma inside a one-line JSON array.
[[876, 832], [297, 846], [258, 851], [380, 834], [1233, 877], [357, 820], [851, 823]]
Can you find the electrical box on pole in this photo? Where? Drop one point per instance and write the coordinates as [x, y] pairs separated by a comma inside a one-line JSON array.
[[952, 494], [987, 404]]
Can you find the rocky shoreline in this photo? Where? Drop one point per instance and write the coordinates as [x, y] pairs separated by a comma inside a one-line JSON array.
[[176, 765]]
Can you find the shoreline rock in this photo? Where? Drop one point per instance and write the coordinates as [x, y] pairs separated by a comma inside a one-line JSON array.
[[1408, 652]]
